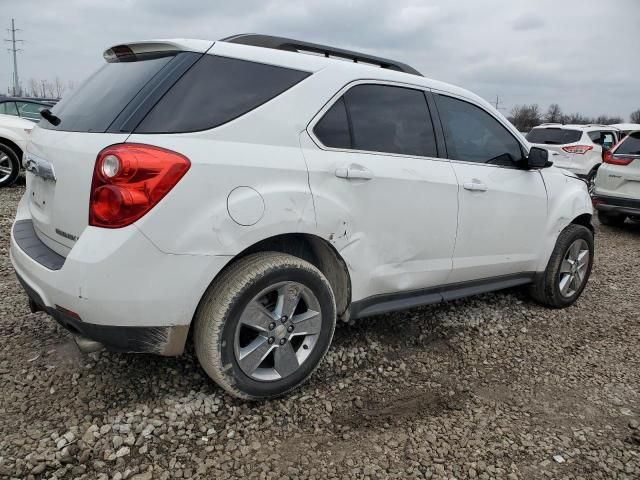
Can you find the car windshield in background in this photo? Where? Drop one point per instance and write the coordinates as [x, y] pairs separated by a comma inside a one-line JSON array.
[[630, 146], [553, 136], [97, 103]]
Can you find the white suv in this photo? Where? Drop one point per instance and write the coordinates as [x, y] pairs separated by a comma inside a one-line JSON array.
[[617, 187], [255, 189], [577, 148]]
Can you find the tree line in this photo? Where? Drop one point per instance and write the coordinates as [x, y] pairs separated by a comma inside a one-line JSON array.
[[525, 117], [44, 88]]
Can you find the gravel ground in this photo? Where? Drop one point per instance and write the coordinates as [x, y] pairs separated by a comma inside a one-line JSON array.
[[490, 387]]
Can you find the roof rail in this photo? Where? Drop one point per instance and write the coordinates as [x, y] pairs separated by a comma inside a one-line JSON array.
[[279, 43]]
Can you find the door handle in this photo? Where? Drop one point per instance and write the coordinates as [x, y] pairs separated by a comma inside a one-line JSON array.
[[354, 172], [475, 187]]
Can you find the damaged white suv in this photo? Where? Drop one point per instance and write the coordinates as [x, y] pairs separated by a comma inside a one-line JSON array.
[[254, 189]]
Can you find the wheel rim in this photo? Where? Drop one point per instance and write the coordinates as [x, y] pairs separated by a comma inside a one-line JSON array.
[[6, 169], [277, 331], [573, 270]]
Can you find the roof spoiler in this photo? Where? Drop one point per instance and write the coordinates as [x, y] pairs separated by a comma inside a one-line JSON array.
[[288, 44], [131, 49]]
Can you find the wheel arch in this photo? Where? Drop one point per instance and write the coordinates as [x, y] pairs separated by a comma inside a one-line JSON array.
[[585, 220], [14, 146], [315, 250]]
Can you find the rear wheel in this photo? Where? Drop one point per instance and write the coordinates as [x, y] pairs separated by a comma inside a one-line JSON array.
[[568, 269], [264, 326], [9, 166], [611, 219]]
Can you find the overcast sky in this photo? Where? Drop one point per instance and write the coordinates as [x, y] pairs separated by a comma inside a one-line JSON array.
[[582, 54]]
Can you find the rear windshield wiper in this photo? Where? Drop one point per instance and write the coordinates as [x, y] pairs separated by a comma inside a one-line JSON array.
[[50, 117]]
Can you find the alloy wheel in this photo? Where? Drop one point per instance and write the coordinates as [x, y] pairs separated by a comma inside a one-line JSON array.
[[277, 331], [573, 269], [6, 168]]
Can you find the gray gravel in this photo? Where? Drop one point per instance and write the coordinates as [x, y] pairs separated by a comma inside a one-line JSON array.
[[490, 387]]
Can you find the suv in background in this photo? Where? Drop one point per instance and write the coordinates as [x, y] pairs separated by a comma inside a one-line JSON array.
[[577, 148], [617, 186], [626, 128], [252, 193]]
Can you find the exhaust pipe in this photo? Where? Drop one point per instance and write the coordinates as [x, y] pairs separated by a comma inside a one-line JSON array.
[[86, 345]]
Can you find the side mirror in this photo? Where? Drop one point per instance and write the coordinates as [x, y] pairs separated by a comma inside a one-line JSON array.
[[538, 158]]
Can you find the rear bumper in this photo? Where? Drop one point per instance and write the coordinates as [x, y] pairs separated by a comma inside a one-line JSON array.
[[117, 288], [624, 206], [167, 341]]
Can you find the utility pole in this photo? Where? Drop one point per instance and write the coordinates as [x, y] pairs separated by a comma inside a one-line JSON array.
[[497, 104], [14, 50]]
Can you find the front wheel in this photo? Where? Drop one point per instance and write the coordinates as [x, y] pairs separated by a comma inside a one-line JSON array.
[[568, 269], [264, 326]]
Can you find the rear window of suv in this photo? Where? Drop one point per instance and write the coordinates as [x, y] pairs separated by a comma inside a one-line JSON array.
[[147, 95], [553, 136], [630, 145], [99, 100]]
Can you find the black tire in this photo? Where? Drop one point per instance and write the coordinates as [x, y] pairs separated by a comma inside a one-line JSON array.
[[218, 315], [611, 219], [13, 160], [546, 287]]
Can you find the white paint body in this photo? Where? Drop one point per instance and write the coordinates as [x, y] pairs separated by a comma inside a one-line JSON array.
[[16, 130], [412, 225]]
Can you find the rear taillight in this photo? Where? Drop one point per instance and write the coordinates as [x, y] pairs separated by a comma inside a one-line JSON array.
[[129, 179], [611, 158], [579, 149]]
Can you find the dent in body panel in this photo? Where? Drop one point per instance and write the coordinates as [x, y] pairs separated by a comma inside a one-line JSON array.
[[568, 199]]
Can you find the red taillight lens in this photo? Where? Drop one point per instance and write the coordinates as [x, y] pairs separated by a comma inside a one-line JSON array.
[[613, 159], [129, 179], [580, 149]]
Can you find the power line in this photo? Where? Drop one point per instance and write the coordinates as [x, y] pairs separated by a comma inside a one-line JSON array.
[[14, 50]]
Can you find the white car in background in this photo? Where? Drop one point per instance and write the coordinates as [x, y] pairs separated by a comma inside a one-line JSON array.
[[14, 133], [577, 148], [616, 195], [626, 128]]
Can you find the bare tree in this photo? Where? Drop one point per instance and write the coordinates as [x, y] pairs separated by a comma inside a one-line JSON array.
[[33, 87], [525, 117], [59, 87], [635, 116], [554, 114]]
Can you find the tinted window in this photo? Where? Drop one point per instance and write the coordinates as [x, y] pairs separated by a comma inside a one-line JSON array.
[[472, 135], [333, 129], [216, 90], [8, 108], [391, 120], [630, 146], [554, 136], [98, 101]]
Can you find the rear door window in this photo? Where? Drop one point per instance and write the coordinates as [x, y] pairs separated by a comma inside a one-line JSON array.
[[333, 130], [390, 119], [554, 136], [99, 100], [217, 90]]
